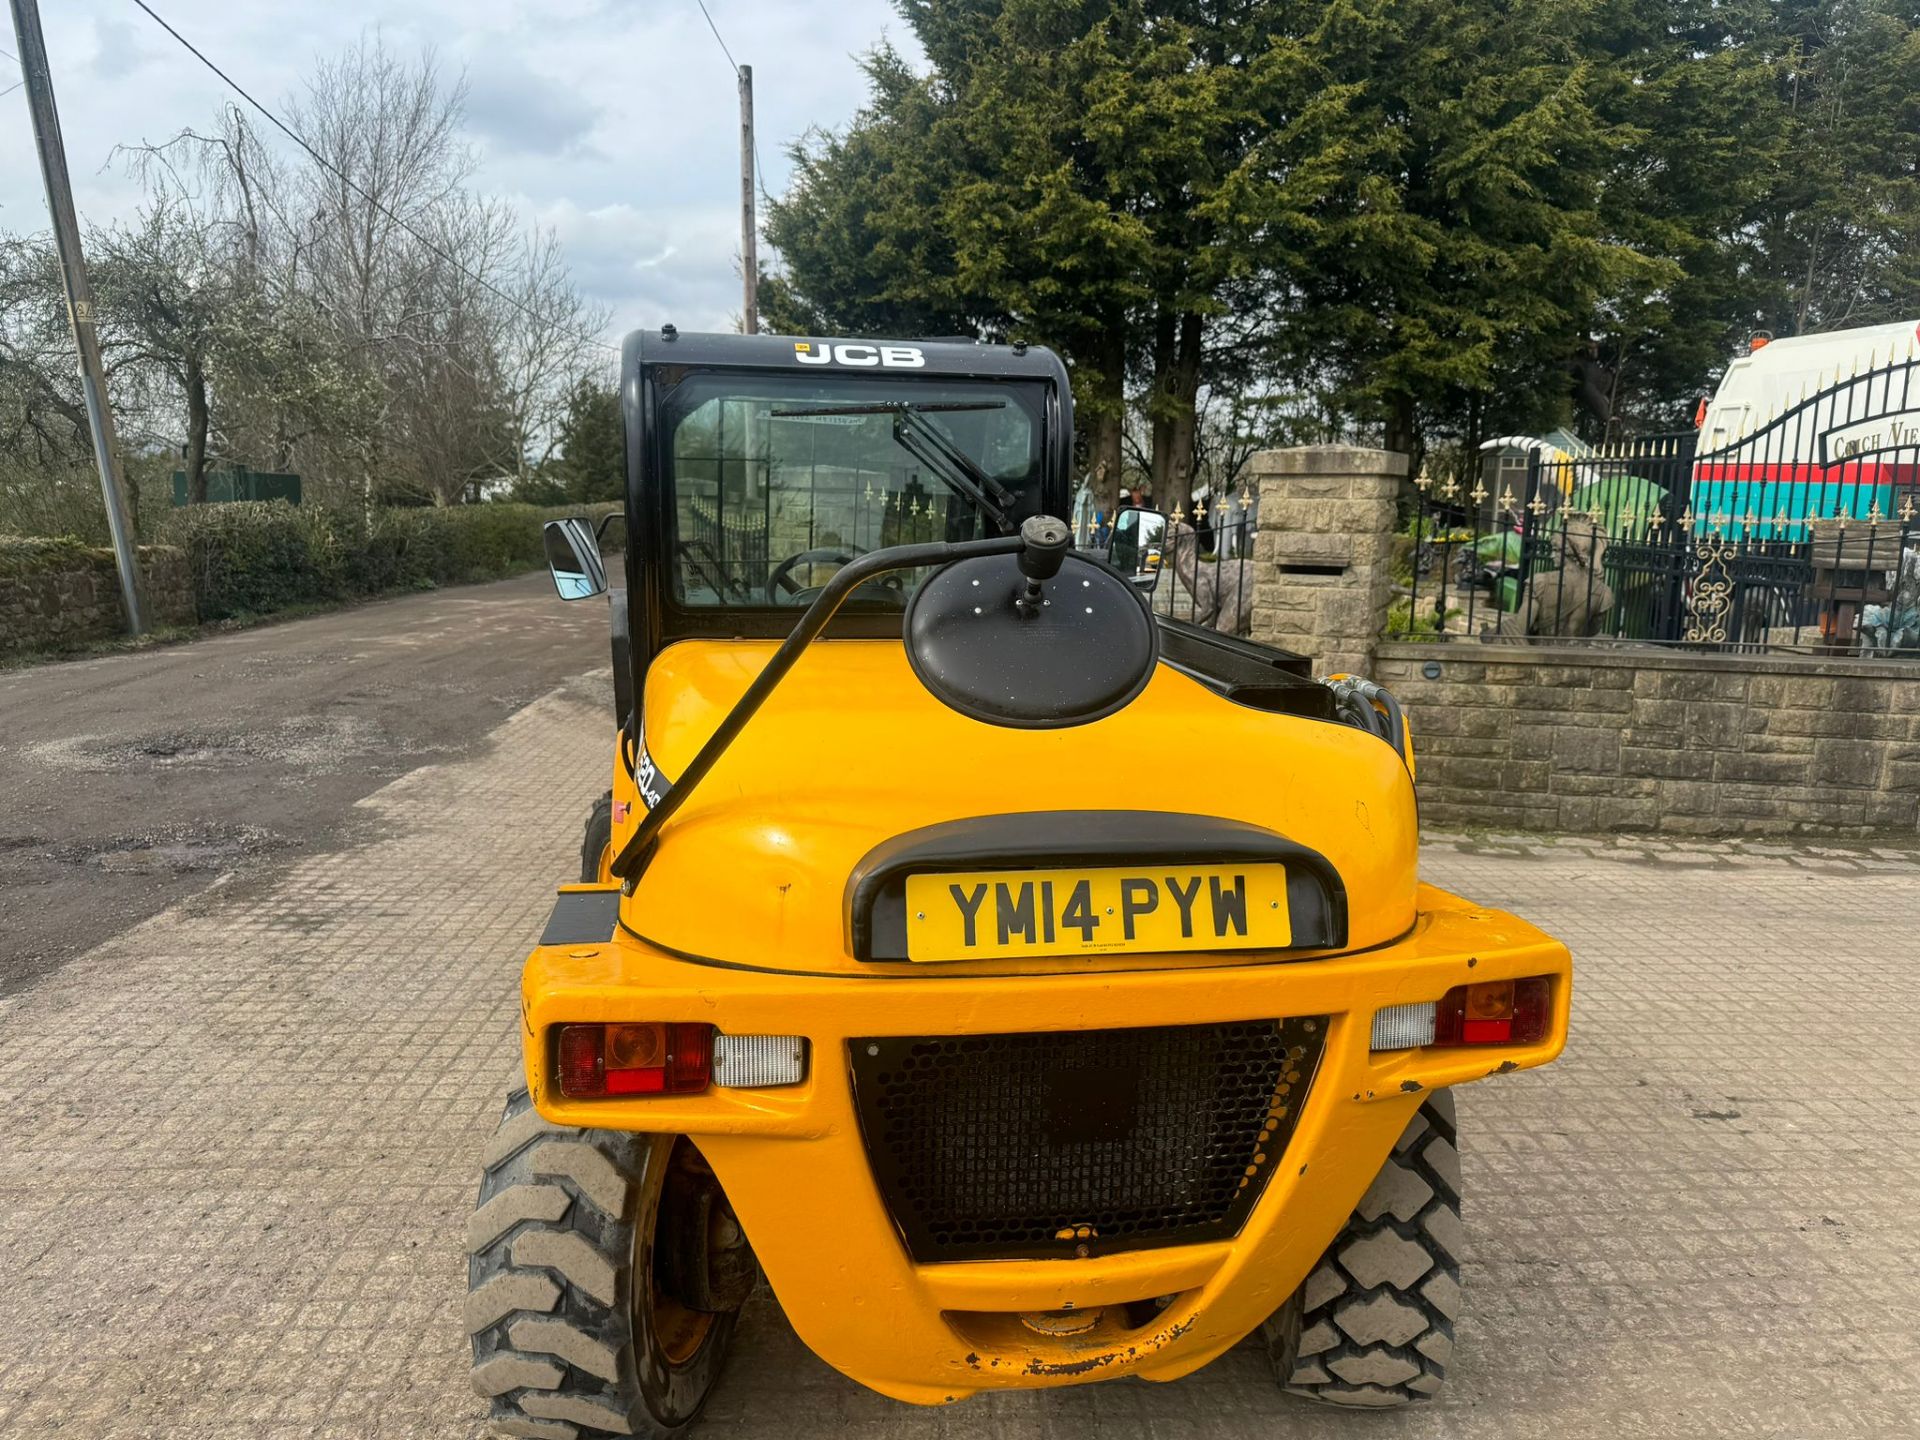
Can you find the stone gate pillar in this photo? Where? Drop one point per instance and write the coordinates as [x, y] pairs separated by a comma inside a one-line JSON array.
[[1323, 554]]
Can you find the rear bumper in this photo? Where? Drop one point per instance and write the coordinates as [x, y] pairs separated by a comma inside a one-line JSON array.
[[796, 1170]]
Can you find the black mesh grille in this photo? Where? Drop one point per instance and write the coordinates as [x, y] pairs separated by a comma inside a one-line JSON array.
[[1079, 1142]]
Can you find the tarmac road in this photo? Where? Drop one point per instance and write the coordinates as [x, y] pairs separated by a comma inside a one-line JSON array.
[[131, 782]]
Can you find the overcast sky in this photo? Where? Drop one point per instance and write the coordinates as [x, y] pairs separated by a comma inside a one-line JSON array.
[[613, 121]]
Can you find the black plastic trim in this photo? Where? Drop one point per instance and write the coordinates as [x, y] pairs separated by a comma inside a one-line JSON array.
[[876, 896], [583, 917], [1202, 648], [1244, 672], [622, 656], [1302, 704]]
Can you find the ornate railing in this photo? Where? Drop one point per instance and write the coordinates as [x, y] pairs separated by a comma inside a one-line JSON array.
[[1801, 533]]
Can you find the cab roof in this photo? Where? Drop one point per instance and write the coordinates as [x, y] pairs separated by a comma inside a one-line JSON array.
[[844, 354]]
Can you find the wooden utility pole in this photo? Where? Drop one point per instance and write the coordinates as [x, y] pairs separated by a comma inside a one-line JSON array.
[[73, 270], [749, 260]]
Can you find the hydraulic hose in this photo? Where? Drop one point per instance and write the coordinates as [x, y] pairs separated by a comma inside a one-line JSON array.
[[1369, 707]]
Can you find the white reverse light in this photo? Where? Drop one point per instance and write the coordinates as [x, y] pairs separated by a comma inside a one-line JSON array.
[[1396, 1027], [740, 1061]]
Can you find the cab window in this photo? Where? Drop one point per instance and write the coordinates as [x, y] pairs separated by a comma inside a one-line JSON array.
[[776, 481]]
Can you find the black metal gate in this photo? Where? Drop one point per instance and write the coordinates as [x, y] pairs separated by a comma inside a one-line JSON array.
[[1800, 533]]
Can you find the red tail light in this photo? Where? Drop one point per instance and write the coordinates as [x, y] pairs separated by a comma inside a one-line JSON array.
[[690, 1059], [1495, 1012], [583, 1060], [643, 1059]]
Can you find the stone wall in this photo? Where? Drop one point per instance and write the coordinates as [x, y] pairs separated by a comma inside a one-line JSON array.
[[76, 600], [1601, 739], [1321, 560]]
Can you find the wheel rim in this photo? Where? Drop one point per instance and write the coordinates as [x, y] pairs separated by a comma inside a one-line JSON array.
[[605, 869], [677, 1331]]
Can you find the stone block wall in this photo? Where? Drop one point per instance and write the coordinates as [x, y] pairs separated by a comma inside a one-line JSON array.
[[1604, 739], [78, 601], [1321, 560]]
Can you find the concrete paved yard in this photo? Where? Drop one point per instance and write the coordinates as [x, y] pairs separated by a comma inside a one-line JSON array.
[[237, 1149]]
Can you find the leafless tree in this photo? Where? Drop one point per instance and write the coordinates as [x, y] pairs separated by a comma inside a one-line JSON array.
[[548, 346], [364, 317]]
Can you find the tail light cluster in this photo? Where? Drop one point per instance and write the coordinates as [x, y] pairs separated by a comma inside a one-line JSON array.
[[679, 1058], [1493, 1012]]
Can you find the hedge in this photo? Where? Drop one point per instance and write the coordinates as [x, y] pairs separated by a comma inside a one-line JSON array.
[[255, 557], [36, 554]]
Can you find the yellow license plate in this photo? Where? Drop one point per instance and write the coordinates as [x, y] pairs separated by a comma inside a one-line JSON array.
[[1097, 912]]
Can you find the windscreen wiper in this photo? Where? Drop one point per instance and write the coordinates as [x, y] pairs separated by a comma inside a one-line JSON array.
[[934, 448], [700, 556]]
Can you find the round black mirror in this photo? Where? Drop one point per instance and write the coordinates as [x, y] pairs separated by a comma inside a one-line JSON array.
[[1032, 654]]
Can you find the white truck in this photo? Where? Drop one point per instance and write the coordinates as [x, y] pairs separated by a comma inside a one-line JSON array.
[[1777, 374], [1815, 426]]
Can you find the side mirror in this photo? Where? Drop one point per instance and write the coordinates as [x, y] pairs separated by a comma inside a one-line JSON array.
[[985, 639], [1139, 538], [573, 555]]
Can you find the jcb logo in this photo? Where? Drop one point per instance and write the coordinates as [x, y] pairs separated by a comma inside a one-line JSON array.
[[893, 357]]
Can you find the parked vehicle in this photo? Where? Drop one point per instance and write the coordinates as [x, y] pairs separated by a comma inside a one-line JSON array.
[[886, 977], [1813, 427]]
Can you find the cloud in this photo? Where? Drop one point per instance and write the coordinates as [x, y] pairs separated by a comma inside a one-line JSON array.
[[616, 123], [649, 267], [117, 53], [512, 109]]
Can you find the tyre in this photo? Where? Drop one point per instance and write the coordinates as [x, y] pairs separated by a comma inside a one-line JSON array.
[[596, 850], [577, 1259], [1373, 1324]]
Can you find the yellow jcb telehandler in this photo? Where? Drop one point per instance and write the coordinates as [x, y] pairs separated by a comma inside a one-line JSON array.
[[895, 976]]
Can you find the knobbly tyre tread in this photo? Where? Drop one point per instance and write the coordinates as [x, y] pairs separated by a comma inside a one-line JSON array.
[[1372, 1326], [549, 1277], [599, 835]]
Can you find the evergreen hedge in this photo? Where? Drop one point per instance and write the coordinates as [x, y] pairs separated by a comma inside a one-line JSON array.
[[256, 557]]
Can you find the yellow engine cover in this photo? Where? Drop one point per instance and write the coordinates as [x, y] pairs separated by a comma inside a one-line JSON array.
[[851, 751]]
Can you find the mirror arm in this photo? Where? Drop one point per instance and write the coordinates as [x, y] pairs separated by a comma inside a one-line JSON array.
[[632, 860], [600, 530]]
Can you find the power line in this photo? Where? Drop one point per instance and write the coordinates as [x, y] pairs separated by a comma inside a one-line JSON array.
[[716, 35], [759, 169], [11, 88], [348, 180]]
